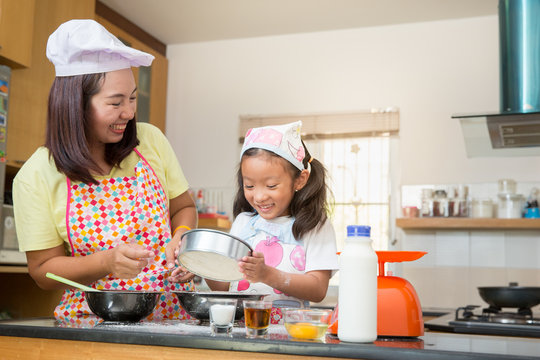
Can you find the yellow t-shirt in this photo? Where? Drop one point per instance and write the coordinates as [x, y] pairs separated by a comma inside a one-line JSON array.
[[40, 191]]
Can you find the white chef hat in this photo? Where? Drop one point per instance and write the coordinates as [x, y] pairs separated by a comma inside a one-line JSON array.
[[84, 46]]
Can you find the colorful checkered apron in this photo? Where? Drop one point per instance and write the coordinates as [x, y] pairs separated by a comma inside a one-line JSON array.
[[123, 210]]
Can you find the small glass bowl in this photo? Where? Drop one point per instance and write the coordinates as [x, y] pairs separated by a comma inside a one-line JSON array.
[[306, 324]]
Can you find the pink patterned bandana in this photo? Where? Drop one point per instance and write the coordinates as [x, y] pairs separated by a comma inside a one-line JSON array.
[[283, 140]]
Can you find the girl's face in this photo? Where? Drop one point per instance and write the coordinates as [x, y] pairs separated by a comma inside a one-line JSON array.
[[268, 185], [111, 108]]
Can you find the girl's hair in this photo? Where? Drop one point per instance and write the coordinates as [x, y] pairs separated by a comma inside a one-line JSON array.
[[68, 122], [309, 205]]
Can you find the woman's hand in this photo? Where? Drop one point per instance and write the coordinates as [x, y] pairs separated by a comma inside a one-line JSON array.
[[126, 261], [253, 268]]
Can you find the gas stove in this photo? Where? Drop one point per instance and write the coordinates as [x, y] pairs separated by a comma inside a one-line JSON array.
[[471, 319]]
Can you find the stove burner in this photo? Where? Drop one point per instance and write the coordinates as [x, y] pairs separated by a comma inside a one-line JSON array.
[[496, 315]]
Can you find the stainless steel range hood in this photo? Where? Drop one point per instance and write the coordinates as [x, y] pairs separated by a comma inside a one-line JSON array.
[[515, 129]]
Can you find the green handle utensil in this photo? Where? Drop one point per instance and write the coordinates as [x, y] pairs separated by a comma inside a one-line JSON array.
[[69, 282]]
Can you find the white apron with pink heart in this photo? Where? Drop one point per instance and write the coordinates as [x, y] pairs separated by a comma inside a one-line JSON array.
[[281, 251], [124, 210]]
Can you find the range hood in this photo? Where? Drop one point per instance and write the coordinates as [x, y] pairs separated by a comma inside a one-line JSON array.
[[515, 129]]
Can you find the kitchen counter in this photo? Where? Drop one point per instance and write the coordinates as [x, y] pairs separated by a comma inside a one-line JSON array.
[[30, 337]]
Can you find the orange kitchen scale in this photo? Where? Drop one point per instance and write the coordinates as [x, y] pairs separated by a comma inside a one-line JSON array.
[[398, 308]]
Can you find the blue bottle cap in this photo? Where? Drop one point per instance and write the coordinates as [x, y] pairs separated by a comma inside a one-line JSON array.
[[359, 230]]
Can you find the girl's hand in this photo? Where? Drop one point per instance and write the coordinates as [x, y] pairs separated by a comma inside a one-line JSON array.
[[181, 275], [253, 268], [128, 260]]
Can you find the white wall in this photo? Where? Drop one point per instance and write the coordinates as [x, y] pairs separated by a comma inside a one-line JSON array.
[[429, 70]]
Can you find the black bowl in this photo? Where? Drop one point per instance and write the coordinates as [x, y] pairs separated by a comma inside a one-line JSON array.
[[116, 305], [197, 304]]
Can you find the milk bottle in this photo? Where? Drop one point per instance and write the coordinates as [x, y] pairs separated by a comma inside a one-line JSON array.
[[357, 300]]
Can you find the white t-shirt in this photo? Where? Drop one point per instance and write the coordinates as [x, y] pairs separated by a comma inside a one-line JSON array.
[[314, 251]]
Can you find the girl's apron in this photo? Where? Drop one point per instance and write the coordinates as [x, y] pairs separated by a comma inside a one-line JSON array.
[[123, 210], [281, 251]]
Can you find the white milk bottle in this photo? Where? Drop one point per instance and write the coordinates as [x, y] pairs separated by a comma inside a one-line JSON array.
[[357, 301]]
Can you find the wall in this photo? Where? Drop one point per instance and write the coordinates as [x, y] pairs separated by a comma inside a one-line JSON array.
[[429, 70]]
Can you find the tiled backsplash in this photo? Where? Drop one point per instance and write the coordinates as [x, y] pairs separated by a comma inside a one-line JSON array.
[[458, 262]]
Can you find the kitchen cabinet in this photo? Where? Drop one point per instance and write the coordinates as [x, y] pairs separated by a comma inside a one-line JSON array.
[[22, 298], [157, 92], [440, 223], [30, 86], [16, 32]]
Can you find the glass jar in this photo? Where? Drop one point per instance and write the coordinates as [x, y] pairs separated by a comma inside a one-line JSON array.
[[426, 208], [482, 208], [440, 203], [507, 186], [510, 206]]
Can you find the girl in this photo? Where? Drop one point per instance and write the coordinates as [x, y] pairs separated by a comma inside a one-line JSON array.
[[281, 210]]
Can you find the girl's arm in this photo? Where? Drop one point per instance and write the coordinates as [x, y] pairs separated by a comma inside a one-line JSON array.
[[217, 285], [311, 286]]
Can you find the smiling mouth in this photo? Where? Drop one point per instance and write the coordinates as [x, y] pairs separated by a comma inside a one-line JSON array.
[[118, 126], [264, 207]]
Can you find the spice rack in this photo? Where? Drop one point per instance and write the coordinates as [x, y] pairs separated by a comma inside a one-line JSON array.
[[442, 223]]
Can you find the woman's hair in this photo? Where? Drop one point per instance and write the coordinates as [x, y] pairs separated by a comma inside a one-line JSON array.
[[68, 122], [309, 205]]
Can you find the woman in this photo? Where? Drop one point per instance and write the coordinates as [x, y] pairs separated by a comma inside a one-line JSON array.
[[97, 204]]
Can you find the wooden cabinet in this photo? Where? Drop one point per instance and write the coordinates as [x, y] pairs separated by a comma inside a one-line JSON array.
[[16, 32], [22, 298], [158, 74], [30, 86], [440, 223]]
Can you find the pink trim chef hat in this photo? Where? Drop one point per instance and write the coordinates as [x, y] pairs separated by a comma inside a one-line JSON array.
[[283, 140], [84, 46]]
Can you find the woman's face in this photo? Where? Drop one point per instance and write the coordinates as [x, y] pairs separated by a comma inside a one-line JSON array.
[[268, 186], [111, 108]]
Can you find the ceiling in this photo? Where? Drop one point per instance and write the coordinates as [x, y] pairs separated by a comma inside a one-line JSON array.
[[184, 21]]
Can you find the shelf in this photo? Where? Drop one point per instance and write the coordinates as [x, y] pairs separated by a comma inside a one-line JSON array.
[[437, 223], [215, 223], [13, 269]]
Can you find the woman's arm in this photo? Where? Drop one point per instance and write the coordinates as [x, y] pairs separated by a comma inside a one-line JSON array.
[[184, 214], [124, 261]]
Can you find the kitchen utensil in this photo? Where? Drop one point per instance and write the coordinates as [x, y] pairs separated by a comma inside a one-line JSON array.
[[398, 307], [117, 305], [513, 296], [69, 282], [212, 254], [309, 324], [197, 304]]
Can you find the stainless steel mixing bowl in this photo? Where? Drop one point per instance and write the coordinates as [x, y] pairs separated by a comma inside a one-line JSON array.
[[197, 304], [128, 306]]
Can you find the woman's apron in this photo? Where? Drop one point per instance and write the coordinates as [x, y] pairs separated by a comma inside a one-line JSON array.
[[123, 210]]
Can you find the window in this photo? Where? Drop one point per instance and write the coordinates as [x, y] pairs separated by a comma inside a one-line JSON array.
[[358, 170]]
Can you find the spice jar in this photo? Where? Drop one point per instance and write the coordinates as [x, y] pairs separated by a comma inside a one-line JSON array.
[[440, 203], [426, 208]]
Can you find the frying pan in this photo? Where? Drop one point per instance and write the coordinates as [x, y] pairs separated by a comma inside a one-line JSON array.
[[212, 254], [513, 296]]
